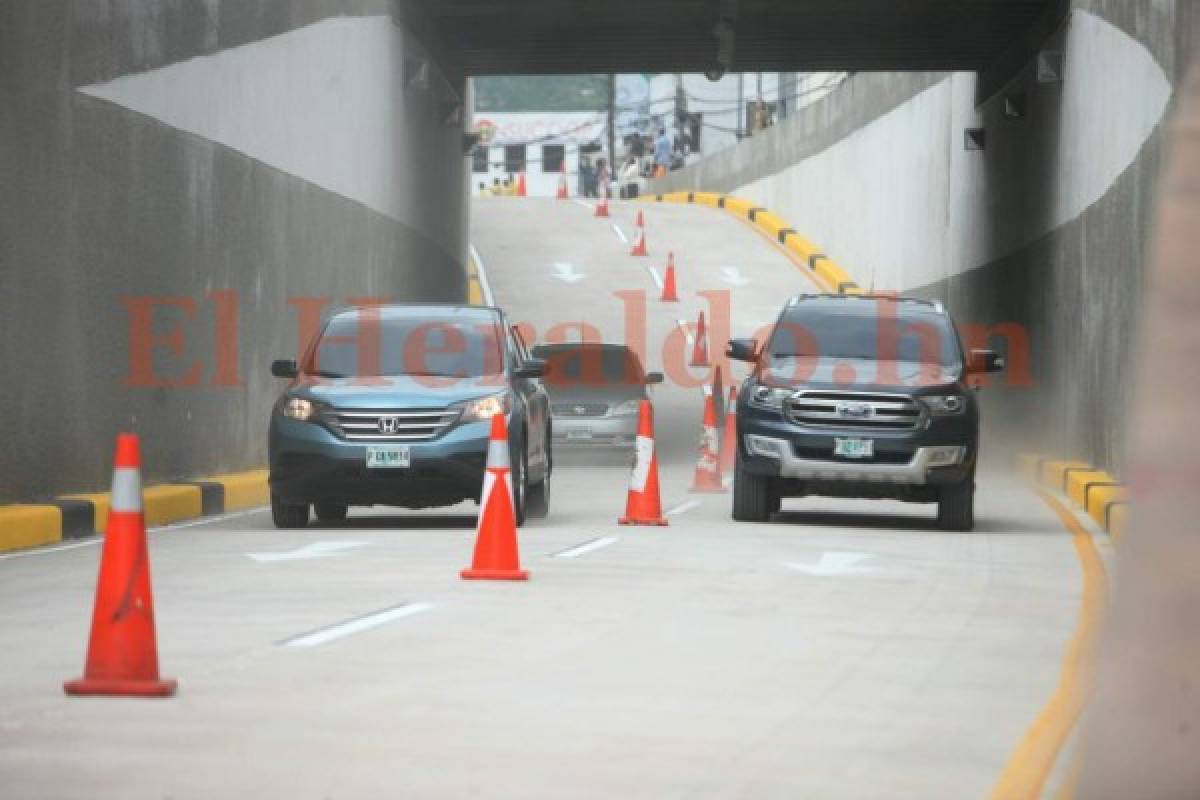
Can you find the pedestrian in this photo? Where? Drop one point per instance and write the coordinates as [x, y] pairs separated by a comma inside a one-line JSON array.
[[629, 179], [587, 178], [662, 153], [602, 177]]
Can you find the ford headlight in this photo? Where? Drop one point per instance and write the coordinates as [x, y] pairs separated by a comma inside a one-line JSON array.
[[626, 407], [769, 398], [482, 409], [945, 405]]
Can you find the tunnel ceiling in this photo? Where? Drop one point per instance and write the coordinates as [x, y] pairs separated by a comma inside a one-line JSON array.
[[496, 37]]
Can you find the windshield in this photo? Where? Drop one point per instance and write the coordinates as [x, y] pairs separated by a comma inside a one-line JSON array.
[[370, 345], [592, 366], [866, 334]]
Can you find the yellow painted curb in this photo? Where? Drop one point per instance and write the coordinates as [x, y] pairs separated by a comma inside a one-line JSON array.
[[244, 489], [1100, 498], [1054, 472], [171, 503], [23, 526], [1079, 480]]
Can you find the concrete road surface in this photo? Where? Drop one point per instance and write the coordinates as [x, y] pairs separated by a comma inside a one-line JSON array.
[[844, 650]]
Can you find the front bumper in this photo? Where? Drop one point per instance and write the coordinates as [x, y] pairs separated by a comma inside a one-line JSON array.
[[310, 464], [616, 431]]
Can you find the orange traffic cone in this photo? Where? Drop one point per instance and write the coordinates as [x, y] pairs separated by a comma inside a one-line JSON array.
[[729, 440], [602, 206], [708, 470], [639, 244], [643, 505], [521, 185], [562, 183], [668, 293], [700, 344], [122, 656], [496, 557], [640, 222]]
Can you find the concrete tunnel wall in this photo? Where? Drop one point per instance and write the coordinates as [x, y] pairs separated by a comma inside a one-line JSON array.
[[173, 149], [1047, 227]]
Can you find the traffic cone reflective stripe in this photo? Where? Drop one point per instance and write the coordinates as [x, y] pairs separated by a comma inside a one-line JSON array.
[[669, 294], [643, 506], [122, 656], [708, 471], [496, 557], [700, 344], [729, 441]]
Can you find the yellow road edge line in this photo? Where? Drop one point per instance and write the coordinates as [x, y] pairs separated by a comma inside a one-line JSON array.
[[1028, 767]]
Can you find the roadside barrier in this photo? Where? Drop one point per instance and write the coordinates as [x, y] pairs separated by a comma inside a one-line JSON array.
[[700, 344], [1096, 492], [669, 294], [643, 505], [496, 557], [122, 655], [707, 478]]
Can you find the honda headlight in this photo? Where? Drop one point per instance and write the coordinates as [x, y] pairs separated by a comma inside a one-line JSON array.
[[768, 397], [482, 409], [298, 408], [945, 405], [627, 407]]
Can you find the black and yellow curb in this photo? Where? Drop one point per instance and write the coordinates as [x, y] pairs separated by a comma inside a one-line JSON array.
[[80, 515], [803, 252], [1094, 491], [474, 284]]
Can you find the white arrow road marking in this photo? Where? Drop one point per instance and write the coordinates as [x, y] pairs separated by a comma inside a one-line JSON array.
[[586, 547], [356, 625], [833, 564], [683, 328], [733, 275], [567, 273], [684, 507], [658, 281], [620, 233], [311, 551]]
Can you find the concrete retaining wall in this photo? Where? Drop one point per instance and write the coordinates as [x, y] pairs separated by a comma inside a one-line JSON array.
[[223, 157], [1046, 227]]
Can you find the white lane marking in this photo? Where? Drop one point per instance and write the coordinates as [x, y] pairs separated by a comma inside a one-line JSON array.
[[356, 625], [484, 287], [833, 564], [92, 541], [579, 202], [658, 281], [306, 553], [566, 273], [620, 233], [587, 547], [683, 328], [684, 507], [733, 276]]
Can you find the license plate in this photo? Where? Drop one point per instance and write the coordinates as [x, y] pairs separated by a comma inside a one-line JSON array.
[[579, 434], [854, 448], [388, 457]]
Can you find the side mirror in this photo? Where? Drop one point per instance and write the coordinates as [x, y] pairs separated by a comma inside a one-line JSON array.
[[533, 368], [284, 368], [654, 377], [983, 361], [742, 350]]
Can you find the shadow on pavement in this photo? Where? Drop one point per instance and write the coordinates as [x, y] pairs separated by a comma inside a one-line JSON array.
[[397, 522]]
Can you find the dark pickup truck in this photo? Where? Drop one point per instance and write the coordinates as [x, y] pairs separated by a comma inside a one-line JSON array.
[[859, 396]]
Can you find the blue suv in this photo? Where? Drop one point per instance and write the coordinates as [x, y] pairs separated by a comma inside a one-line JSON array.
[[392, 405]]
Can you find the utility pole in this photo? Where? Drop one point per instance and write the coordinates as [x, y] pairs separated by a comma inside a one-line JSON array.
[[612, 124]]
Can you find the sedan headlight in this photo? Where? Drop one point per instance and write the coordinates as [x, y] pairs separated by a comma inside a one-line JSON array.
[[627, 407], [769, 398], [945, 405], [482, 409], [300, 409]]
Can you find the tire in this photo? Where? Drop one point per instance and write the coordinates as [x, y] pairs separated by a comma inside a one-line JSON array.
[[288, 515], [956, 506], [330, 512], [753, 500], [520, 487], [537, 502]]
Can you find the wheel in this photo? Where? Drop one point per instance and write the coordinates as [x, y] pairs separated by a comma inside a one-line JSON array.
[[753, 500], [537, 503], [288, 515], [330, 512], [519, 471], [956, 506]]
